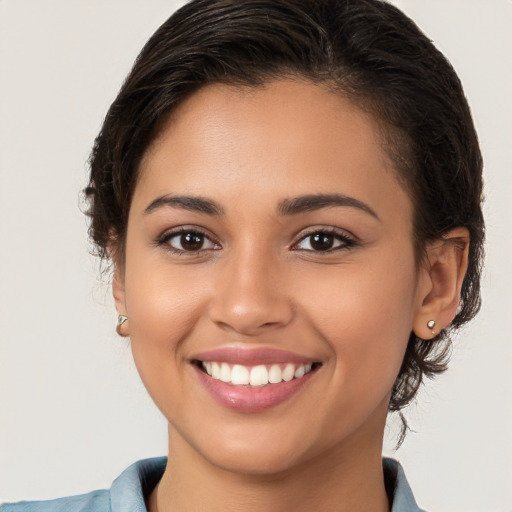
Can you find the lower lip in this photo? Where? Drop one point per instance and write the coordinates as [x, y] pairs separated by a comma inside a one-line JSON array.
[[252, 399]]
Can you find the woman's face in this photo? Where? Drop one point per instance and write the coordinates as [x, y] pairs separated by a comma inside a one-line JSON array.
[[268, 236]]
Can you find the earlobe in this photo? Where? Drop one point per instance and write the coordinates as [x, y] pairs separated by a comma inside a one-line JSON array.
[[118, 292], [120, 329], [440, 283]]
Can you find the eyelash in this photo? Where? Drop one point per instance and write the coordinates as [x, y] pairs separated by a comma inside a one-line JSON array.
[[167, 237], [346, 240]]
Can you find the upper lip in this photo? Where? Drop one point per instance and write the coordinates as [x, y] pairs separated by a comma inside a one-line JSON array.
[[252, 356]]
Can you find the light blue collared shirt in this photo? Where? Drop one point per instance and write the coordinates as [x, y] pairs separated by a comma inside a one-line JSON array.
[[129, 490]]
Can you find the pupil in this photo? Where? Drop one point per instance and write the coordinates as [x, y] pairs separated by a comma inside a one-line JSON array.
[[322, 241], [191, 241]]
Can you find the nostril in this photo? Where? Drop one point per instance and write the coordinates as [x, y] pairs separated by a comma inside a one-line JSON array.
[[269, 324]]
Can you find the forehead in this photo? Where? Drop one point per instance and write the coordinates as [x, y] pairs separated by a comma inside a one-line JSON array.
[[286, 138], [277, 114]]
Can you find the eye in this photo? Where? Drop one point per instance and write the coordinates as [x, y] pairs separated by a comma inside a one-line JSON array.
[[324, 241], [187, 240]]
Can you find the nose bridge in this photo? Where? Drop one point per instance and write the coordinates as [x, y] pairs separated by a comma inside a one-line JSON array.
[[249, 296]]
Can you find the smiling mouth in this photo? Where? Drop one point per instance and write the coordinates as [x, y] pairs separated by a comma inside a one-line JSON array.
[[255, 376]]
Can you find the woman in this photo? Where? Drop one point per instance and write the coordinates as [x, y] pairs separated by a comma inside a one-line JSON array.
[[291, 200]]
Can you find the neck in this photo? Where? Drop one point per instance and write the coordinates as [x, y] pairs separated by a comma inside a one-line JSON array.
[[348, 479]]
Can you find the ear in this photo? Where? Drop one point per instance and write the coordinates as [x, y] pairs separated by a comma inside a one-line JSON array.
[[440, 281], [118, 291]]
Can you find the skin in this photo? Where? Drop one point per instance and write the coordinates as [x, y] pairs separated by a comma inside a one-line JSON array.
[[257, 282]]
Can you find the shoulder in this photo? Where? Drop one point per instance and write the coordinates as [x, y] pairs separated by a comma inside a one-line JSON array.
[[397, 486], [128, 492], [96, 501]]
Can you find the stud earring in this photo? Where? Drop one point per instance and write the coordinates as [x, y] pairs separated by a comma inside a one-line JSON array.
[[121, 319], [431, 324]]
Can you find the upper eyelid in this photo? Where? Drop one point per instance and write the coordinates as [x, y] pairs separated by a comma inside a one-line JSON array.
[[169, 233], [298, 237], [342, 233], [348, 241], [164, 241]]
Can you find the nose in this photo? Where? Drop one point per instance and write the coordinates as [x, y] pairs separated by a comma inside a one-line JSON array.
[[250, 296]]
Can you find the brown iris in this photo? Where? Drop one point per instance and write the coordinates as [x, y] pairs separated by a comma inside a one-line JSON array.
[[322, 241], [192, 241]]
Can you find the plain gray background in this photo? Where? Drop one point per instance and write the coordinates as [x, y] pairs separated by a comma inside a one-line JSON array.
[[73, 413]]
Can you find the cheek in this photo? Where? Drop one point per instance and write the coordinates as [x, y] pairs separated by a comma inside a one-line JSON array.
[[365, 315], [164, 307], [159, 307], [161, 298]]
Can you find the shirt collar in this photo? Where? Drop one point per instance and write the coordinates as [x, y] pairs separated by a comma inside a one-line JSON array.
[[130, 490], [398, 487]]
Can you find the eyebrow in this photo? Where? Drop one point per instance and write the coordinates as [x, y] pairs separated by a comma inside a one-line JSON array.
[[191, 203], [291, 206], [309, 203]]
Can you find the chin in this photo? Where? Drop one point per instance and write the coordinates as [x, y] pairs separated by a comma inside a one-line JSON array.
[[257, 450], [251, 462]]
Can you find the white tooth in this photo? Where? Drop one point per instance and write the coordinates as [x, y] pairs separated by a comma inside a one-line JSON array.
[[288, 372], [208, 367], [259, 375], [225, 372], [240, 375], [274, 374], [299, 372], [307, 368], [215, 370]]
